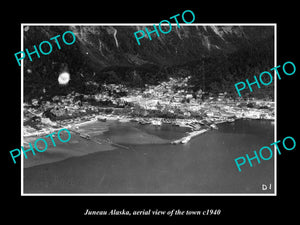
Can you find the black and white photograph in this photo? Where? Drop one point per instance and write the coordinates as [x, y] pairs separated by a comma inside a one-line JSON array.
[[148, 109], [146, 112]]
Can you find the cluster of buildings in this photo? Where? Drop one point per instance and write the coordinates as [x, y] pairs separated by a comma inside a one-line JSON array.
[[174, 97], [169, 101]]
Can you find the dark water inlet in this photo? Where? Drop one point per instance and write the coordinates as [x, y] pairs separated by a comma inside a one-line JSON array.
[[150, 165]]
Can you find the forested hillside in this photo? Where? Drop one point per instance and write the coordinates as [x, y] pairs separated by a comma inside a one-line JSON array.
[[216, 57]]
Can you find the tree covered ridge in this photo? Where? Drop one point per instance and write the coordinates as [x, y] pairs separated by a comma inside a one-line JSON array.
[[212, 71]]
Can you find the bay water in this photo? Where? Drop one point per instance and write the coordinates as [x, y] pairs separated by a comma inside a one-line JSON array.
[[148, 163]]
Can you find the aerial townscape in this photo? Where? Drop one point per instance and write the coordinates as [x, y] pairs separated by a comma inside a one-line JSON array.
[[169, 102], [160, 117], [185, 78]]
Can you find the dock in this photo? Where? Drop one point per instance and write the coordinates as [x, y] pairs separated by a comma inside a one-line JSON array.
[[187, 138]]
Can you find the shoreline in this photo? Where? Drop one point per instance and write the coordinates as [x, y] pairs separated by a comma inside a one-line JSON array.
[[88, 168], [195, 131], [85, 137], [212, 114], [170, 102]]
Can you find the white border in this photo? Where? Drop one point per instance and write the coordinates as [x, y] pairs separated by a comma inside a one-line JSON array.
[[275, 100], [151, 24]]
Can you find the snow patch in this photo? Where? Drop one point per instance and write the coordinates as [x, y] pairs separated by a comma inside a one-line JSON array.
[[216, 30], [115, 36], [178, 33], [113, 31]]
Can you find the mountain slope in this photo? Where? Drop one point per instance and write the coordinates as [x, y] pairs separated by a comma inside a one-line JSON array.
[[111, 54]]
